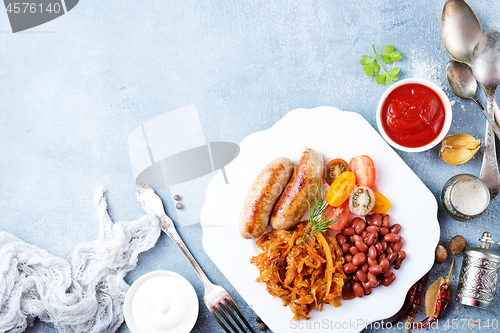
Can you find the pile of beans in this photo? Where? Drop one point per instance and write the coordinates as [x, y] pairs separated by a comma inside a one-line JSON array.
[[370, 247]]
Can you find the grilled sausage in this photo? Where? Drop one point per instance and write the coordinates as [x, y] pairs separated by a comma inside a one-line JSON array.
[[292, 204], [262, 196]]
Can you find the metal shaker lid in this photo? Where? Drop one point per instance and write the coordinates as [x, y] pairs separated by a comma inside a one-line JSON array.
[[484, 251]]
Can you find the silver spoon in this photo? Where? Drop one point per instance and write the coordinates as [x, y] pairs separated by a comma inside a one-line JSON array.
[[460, 30], [464, 85], [485, 64]]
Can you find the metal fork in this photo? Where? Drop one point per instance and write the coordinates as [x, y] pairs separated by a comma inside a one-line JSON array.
[[216, 298]]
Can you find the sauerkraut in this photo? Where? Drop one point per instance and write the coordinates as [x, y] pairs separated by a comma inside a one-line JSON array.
[[306, 275]]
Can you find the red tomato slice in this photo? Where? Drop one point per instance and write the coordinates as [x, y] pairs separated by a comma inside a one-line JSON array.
[[364, 169], [340, 213]]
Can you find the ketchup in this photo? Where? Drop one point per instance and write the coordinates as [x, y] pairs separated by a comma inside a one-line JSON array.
[[413, 115]]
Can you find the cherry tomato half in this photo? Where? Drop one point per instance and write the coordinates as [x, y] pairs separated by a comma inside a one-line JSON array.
[[340, 214], [334, 168], [382, 204], [361, 201], [340, 189], [364, 169]]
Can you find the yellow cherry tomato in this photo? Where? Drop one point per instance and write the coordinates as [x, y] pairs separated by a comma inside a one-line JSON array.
[[382, 204], [341, 188]]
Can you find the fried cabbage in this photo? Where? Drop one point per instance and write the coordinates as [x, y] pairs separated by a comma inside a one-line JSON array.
[[305, 275]]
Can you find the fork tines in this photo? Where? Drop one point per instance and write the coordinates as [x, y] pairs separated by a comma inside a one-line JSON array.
[[227, 306]]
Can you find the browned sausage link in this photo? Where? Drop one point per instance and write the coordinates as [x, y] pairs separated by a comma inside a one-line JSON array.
[[262, 196], [293, 203]]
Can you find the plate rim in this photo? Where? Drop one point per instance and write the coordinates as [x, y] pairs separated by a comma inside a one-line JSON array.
[[247, 141]]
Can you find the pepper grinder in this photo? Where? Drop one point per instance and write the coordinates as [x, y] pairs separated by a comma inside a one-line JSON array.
[[479, 275]]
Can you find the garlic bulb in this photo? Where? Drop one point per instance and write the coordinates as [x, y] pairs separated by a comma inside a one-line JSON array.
[[458, 148]]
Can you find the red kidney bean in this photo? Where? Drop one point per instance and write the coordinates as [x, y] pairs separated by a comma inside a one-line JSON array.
[[401, 257], [375, 269], [372, 252], [358, 289], [386, 221], [372, 278], [359, 225], [355, 238], [395, 229], [371, 262], [392, 257], [367, 286], [362, 246], [391, 238], [399, 244], [359, 259], [377, 220], [388, 280], [361, 275], [346, 247], [350, 268], [371, 246], [341, 239], [384, 263], [372, 238], [349, 231]]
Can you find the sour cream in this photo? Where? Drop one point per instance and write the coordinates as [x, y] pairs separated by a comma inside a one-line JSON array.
[[470, 196], [465, 197], [161, 302]]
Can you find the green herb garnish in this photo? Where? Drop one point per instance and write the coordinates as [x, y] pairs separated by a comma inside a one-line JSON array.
[[317, 221], [372, 67]]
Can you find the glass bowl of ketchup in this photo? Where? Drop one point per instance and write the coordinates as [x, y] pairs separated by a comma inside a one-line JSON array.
[[414, 115]]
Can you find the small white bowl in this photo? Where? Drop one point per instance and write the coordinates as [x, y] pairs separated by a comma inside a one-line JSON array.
[[157, 300], [447, 110]]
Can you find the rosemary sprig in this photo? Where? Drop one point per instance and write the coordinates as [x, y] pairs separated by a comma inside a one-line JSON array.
[[317, 222]]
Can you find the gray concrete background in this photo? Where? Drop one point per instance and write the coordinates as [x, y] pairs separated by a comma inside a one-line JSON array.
[[73, 89]]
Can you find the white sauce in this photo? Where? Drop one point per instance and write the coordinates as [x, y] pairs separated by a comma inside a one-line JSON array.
[[163, 304], [470, 197]]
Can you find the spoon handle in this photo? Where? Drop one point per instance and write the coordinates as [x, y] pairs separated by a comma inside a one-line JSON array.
[[489, 169], [489, 117]]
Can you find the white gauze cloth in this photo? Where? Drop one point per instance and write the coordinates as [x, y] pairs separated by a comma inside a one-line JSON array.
[[86, 296]]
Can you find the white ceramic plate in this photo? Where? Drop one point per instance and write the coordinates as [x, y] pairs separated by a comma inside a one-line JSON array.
[[336, 134]]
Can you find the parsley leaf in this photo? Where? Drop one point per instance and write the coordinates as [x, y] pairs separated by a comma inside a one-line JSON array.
[[389, 55], [372, 66]]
